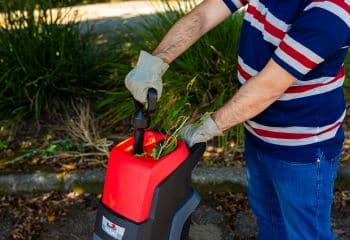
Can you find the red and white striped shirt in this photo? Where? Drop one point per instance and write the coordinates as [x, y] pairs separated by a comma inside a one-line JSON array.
[[310, 40]]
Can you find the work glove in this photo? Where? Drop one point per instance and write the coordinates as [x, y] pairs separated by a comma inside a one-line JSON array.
[[147, 74], [199, 132]]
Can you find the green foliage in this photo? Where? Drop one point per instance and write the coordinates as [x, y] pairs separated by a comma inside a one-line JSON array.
[[201, 80], [3, 145], [51, 149], [45, 63], [169, 143], [63, 145]]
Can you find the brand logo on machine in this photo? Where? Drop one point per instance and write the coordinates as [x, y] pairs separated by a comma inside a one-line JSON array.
[[112, 229]]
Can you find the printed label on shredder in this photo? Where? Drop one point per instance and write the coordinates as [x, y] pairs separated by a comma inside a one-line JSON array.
[[112, 229]]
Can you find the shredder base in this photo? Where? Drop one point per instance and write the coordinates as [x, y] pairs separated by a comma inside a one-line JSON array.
[[173, 202], [148, 229]]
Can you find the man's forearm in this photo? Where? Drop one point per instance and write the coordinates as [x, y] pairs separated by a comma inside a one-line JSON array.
[[180, 37], [254, 96], [190, 28]]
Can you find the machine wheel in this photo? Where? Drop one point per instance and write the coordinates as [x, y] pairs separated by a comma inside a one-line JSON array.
[[186, 229]]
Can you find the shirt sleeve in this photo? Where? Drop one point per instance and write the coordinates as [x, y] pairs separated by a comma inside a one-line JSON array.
[[234, 5], [319, 32]]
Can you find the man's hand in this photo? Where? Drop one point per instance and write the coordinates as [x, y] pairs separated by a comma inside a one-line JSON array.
[[203, 131], [147, 74]]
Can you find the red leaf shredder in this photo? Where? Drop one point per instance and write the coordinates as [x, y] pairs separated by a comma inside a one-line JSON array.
[[144, 198]]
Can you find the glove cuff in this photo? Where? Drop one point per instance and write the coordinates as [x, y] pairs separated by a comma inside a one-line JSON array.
[[152, 63], [211, 127]]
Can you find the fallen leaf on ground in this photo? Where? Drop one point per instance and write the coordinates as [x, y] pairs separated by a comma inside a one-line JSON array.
[[51, 218], [69, 166]]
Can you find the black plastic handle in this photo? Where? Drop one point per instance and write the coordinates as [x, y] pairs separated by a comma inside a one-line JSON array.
[[152, 97], [142, 119]]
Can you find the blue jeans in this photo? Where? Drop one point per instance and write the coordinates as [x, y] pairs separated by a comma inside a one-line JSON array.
[[291, 200]]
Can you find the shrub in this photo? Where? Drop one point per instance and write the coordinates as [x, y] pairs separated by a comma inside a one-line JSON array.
[[45, 63], [201, 80]]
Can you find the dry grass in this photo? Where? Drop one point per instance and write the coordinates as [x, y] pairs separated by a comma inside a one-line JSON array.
[[83, 129]]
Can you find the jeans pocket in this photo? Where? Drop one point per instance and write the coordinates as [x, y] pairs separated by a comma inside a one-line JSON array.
[[329, 169], [299, 171], [296, 164]]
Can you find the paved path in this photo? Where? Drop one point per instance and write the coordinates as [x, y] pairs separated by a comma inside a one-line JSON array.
[[121, 10]]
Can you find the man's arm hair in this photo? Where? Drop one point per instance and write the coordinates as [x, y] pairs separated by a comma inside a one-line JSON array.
[[190, 28], [254, 96]]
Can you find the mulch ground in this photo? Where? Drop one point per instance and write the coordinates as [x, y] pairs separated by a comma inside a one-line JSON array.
[[23, 217]]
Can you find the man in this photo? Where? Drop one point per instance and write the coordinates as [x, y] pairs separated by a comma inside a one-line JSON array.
[[291, 71]]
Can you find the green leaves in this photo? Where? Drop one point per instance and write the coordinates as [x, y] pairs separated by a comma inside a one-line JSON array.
[[169, 144], [164, 147], [3, 145], [51, 149]]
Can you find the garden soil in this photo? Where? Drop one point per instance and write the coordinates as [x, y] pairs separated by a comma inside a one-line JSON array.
[[70, 216]]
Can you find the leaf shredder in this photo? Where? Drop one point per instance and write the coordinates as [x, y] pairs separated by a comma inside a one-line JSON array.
[[144, 198]]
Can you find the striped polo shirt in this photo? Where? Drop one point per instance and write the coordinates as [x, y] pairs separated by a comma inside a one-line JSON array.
[[310, 40]]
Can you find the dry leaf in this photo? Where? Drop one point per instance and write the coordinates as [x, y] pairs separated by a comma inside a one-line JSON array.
[[69, 166], [51, 218]]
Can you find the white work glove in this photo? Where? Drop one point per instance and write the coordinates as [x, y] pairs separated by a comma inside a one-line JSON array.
[[199, 132], [147, 74]]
